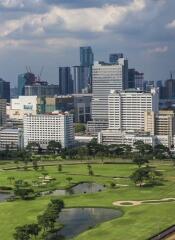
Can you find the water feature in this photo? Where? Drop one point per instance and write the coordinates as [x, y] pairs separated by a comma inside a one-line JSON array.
[[81, 188], [4, 196], [78, 220]]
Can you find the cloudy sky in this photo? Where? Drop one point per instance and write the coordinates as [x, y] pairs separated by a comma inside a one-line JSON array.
[[48, 33]]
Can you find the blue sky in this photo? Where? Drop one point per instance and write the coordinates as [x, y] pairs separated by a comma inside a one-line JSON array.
[[48, 33]]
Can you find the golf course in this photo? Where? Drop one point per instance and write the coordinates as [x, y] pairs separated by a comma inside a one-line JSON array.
[[153, 213]]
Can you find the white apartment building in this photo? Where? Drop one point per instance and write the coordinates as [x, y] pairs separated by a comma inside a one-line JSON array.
[[126, 109], [11, 138], [106, 77], [21, 106], [44, 128]]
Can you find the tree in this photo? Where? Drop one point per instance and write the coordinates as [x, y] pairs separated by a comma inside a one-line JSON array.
[[69, 179], [90, 171], [140, 175], [33, 147], [80, 128], [48, 218], [82, 152], [25, 156], [11, 179], [54, 147], [93, 147], [23, 193], [140, 161], [35, 162], [143, 148], [22, 233], [60, 168], [161, 151], [33, 229]]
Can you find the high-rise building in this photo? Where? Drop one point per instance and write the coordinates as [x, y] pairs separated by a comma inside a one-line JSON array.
[[81, 79], [86, 56], [170, 88], [2, 111], [148, 85], [23, 80], [126, 109], [113, 57], [65, 81], [49, 127], [5, 90], [105, 78], [135, 79], [161, 123]]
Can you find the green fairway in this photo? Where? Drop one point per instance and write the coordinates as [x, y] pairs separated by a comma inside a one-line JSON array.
[[137, 223]]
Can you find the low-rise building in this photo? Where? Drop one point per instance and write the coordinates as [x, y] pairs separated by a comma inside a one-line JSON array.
[[161, 124], [11, 139], [21, 106], [111, 136]]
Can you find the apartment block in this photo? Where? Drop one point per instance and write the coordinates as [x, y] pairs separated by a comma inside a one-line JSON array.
[[47, 127]]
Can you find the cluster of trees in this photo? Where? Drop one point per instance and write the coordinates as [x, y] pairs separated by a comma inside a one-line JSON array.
[[145, 174], [96, 150], [45, 224], [33, 152], [23, 190]]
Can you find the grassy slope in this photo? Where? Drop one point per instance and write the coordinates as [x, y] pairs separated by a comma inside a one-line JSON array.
[[138, 223]]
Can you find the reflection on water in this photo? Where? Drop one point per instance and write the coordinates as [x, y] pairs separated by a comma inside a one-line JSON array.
[[4, 196], [81, 188], [78, 220]]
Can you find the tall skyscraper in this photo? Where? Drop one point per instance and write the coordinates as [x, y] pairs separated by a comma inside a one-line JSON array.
[[106, 77], [65, 81], [2, 111], [135, 79], [5, 90], [81, 79], [86, 56], [113, 57], [23, 80]]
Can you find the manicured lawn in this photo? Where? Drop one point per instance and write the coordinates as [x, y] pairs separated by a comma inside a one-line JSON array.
[[137, 223]]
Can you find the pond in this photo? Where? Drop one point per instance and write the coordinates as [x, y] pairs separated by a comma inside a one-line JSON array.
[[81, 188], [4, 196], [78, 220]]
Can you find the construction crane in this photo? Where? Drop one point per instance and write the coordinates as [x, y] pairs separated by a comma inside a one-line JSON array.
[[40, 74], [28, 69]]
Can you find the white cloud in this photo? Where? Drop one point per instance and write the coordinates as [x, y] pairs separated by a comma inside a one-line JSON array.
[[161, 49], [171, 24], [73, 20], [20, 4]]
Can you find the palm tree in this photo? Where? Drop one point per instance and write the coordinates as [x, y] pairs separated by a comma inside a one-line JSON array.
[[11, 179]]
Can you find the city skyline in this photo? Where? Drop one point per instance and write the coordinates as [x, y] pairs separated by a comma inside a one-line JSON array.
[[42, 33]]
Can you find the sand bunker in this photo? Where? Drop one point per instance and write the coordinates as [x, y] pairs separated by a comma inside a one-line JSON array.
[[136, 203]]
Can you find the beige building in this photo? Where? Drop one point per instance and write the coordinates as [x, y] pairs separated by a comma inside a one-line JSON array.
[[161, 124]]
